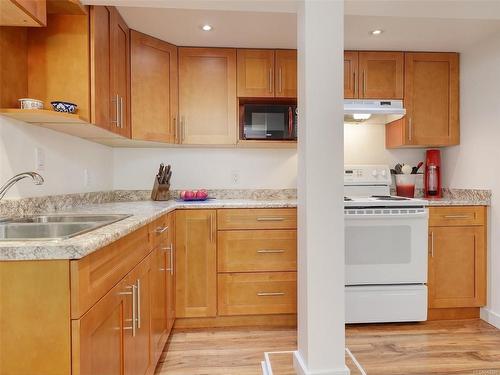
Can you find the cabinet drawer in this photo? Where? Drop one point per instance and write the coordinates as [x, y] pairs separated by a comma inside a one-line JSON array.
[[257, 293], [94, 275], [257, 250], [257, 218], [457, 216], [159, 231]]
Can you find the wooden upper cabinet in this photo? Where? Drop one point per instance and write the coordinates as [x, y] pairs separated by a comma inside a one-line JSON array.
[[286, 73], [119, 73], [381, 75], [351, 76], [196, 263], [207, 96], [23, 13], [255, 73], [154, 89], [431, 98]]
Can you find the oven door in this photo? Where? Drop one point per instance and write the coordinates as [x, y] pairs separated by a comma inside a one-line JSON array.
[[386, 246]]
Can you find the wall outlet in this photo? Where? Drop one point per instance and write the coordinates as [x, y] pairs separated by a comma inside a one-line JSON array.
[[235, 177], [86, 178], [39, 159]]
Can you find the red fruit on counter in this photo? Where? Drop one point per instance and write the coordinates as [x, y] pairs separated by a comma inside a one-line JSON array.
[[201, 194], [183, 194], [189, 195]]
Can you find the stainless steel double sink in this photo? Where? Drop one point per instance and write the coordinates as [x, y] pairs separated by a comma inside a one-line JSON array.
[[53, 227]]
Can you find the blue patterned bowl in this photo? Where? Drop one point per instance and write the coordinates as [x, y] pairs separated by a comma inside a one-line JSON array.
[[64, 107]]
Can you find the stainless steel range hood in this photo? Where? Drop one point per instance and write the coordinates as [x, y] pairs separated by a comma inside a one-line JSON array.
[[375, 112]]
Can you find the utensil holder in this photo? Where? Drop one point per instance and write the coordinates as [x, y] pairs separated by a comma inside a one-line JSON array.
[[160, 192]]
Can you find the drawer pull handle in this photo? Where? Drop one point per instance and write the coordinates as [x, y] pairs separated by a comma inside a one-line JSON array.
[[270, 251], [270, 294], [160, 230], [270, 219], [456, 216]]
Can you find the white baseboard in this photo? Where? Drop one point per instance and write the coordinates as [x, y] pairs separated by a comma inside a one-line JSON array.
[[490, 317], [301, 368]]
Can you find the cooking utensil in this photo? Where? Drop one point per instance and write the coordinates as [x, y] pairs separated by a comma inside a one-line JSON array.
[[406, 169], [398, 168], [415, 169]]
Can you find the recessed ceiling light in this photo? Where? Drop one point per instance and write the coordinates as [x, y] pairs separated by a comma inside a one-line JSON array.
[[377, 32], [206, 27]]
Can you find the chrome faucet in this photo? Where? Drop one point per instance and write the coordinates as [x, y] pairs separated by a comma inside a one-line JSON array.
[[37, 179]]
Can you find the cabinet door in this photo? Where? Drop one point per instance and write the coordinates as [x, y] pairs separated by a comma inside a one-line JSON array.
[[137, 351], [207, 96], [381, 75], [255, 73], [457, 267], [351, 75], [196, 284], [100, 93], [119, 73], [97, 338], [153, 88], [286, 73], [432, 99], [171, 270], [158, 299]]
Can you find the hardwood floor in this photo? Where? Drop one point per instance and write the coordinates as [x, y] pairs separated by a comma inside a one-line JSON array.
[[465, 347]]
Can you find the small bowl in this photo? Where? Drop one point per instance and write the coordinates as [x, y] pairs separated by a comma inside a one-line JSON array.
[[64, 107], [27, 103]]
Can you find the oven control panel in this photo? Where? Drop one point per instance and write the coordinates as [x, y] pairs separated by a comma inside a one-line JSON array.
[[367, 175]]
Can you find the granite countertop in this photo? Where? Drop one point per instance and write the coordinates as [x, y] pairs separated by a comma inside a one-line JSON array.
[[143, 212]]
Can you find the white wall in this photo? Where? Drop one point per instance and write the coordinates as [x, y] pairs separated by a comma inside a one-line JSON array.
[[472, 164], [258, 168], [66, 157], [210, 168]]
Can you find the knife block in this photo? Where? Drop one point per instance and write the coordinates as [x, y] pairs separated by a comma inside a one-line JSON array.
[[160, 192]]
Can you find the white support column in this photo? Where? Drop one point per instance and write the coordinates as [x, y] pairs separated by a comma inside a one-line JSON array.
[[321, 331]]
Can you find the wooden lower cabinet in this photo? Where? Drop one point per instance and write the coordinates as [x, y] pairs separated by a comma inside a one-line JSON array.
[[196, 265], [97, 337], [457, 260], [257, 293]]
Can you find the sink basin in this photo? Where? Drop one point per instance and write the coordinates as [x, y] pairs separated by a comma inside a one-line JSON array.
[[53, 227], [76, 218]]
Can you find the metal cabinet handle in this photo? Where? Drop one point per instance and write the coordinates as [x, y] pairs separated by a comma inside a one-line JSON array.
[[133, 320], [160, 230], [410, 128], [211, 227], [432, 244], [172, 265], [138, 302], [270, 219], [121, 113], [265, 251], [280, 79], [270, 79], [182, 129], [456, 216], [270, 294], [174, 125], [364, 83], [355, 83], [117, 111]]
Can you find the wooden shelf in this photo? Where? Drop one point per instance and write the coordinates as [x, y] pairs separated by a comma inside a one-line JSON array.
[[77, 126]]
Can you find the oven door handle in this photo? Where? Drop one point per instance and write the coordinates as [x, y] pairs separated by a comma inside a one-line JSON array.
[[407, 216]]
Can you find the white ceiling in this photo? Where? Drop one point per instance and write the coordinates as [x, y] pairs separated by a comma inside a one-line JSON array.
[[444, 25]]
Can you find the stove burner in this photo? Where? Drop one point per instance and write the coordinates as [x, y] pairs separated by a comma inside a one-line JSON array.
[[389, 198]]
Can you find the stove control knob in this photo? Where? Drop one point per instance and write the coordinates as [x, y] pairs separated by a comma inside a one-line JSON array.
[[374, 173], [383, 173]]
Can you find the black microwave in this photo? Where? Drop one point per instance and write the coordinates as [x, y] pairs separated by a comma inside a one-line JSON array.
[[274, 122]]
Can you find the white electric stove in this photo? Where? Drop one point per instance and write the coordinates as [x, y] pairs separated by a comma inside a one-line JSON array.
[[385, 249]]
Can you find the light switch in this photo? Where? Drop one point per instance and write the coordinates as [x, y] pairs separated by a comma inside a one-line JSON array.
[[39, 159]]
